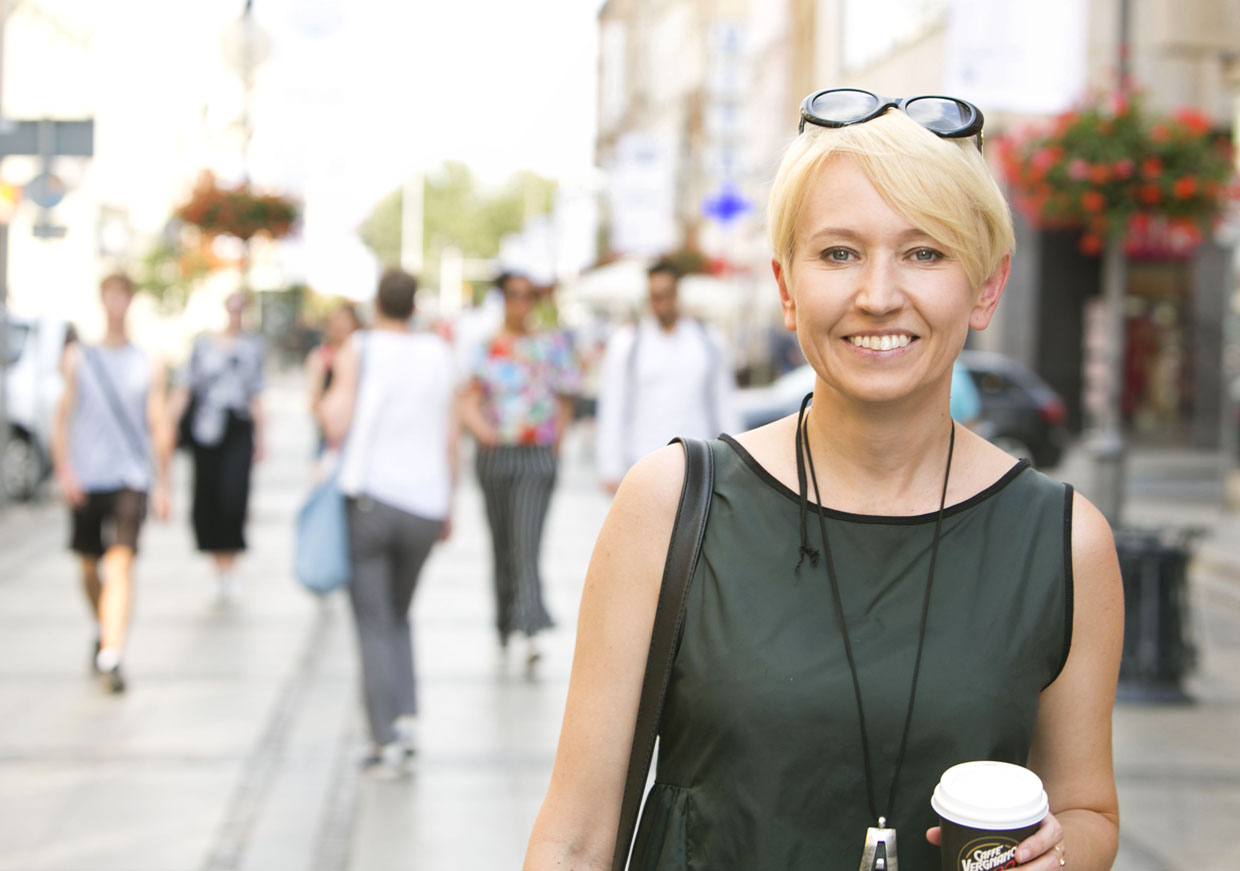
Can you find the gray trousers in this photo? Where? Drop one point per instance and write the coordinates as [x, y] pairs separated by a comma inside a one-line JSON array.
[[517, 481], [387, 548]]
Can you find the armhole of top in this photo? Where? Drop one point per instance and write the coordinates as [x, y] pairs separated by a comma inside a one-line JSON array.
[[1068, 586]]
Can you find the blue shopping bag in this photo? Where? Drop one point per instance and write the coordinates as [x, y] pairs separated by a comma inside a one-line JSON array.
[[321, 558]]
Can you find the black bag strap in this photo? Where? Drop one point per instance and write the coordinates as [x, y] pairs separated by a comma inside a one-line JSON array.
[[682, 557], [123, 420]]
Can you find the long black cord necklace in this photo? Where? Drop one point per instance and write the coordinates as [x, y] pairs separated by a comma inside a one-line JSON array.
[[879, 853]]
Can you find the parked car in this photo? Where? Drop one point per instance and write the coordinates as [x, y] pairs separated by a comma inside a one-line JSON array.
[[1020, 412], [32, 388]]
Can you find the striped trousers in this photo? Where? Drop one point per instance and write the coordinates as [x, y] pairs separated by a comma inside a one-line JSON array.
[[516, 482]]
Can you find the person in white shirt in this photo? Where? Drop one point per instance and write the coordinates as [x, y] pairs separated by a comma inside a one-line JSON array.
[[393, 403], [667, 376]]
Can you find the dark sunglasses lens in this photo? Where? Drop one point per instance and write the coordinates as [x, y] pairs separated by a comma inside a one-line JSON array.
[[843, 105], [939, 114]]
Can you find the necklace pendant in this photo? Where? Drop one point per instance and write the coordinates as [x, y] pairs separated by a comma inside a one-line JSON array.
[[880, 848]]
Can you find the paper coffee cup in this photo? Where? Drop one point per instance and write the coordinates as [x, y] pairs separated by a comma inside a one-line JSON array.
[[987, 809]]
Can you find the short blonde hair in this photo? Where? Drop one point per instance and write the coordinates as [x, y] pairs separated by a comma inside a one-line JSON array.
[[942, 185]]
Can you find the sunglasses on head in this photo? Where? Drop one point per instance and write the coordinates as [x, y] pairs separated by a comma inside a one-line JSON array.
[[948, 117]]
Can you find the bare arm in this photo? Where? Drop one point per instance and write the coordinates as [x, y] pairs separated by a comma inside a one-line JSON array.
[[474, 419], [61, 462], [162, 428], [314, 370], [564, 419], [336, 406], [1071, 749], [576, 827], [260, 426]]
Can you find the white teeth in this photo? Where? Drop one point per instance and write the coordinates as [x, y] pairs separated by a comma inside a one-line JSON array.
[[881, 343]]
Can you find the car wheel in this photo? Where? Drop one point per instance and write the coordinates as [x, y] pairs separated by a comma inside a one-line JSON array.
[[21, 468], [1014, 446]]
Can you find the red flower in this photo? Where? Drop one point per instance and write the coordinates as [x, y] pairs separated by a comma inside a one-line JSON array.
[[1124, 168], [1099, 173], [1185, 187], [1150, 194], [1092, 201], [1197, 122], [1091, 244], [1151, 167], [1078, 170], [1160, 133]]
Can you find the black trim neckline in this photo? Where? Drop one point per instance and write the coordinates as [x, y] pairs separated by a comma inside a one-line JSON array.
[[784, 490]]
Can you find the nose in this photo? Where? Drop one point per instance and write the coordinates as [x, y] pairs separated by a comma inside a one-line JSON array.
[[879, 292]]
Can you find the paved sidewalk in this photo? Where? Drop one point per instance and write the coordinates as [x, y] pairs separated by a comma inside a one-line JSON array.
[[236, 747]]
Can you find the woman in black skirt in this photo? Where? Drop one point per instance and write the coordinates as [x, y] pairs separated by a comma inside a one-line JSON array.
[[223, 425]]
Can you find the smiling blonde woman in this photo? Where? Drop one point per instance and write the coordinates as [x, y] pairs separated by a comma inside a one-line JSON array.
[[881, 593]]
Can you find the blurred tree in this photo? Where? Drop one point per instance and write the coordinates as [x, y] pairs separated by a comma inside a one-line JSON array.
[[169, 270], [458, 211]]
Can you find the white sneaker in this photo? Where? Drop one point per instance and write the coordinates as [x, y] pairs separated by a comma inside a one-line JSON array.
[[406, 727], [229, 589], [532, 656], [386, 762]]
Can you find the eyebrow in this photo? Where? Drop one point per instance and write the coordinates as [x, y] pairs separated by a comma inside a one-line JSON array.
[[905, 236]]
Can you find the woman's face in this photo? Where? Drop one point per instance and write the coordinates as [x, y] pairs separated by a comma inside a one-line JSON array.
[[339, 325], [880, 309], [519, 299]]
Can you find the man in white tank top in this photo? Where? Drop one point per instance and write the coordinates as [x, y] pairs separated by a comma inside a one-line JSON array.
[[110, 428]]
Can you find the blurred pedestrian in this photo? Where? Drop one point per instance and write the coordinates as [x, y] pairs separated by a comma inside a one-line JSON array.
[[341, 322], [110, 424], [517, 407], [669, 375], [222, 393], [842, 544], [393, 401]]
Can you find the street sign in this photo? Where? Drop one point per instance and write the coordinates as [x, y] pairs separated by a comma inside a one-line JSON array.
[[45, 190], [726, 204], [45, 136]]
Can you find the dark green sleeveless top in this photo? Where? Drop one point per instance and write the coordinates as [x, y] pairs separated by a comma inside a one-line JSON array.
[[760, 765]]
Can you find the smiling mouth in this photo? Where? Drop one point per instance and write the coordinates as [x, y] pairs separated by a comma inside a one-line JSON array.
[[885, 342]]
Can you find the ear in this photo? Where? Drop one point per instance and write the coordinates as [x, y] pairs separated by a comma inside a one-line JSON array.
[[786, 302], [992, 289]]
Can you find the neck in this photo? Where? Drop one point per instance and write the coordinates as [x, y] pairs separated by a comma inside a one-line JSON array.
[[517, 328], [667, 325], [115, 334], [882, 461], [391, 325]]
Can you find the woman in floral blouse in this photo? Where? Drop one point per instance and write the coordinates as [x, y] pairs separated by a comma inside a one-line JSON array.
[[517, 407]]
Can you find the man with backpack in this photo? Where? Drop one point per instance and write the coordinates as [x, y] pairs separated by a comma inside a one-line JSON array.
[[666, 376]]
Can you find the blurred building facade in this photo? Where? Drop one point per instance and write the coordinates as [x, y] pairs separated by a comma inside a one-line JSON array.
[[1020, 63]]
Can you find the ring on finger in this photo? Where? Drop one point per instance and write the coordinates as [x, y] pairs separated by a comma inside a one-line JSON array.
[[1059, 850]]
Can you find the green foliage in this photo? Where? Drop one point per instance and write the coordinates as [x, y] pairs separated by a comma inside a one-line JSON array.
[[457, 211], [169, 272]]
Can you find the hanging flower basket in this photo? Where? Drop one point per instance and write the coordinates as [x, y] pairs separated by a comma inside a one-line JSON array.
[[237, 211], [1114, 168]]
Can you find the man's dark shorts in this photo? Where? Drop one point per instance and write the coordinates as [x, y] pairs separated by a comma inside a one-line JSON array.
[[108, 519]]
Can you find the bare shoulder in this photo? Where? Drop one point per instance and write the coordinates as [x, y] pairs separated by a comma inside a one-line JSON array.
[[650, 492], [1093, 544], [1098, 589]]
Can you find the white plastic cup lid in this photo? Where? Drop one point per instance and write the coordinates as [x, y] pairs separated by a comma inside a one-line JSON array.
[[990, 795]]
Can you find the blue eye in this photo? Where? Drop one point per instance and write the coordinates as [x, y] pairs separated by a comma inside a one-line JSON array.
[[837, 255], [927, 255]]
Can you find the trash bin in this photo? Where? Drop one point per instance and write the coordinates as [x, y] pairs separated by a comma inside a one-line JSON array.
[[1158, 652]]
